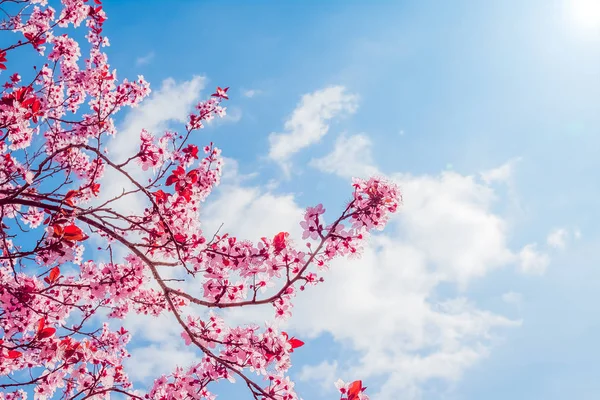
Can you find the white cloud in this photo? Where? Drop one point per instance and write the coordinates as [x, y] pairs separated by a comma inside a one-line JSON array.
[[234, 114], [149, 362], [325, 374], [449, 218], [532, 261], [231, 174], [351, 157], [165, 350], [309, 122], [557, 238], [250, 93], [249, 213], [380, 307], [143, 60], [512, 298], [443, 214], [501, 174]]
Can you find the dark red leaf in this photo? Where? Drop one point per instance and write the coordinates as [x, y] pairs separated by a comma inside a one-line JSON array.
[[46, 332], [186, 194], [58, 230], [73, 233], [279, 241], [69, 197], [354, 390], [172, 179], [160, 196], [14, 354], [295, 343], [193, 175], [54, 274], [221, 93], [190, 150]]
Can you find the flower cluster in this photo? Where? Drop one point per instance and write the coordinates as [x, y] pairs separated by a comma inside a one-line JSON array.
[[56, 214]]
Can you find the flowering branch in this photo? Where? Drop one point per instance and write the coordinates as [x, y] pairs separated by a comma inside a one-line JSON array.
[[52, 203]]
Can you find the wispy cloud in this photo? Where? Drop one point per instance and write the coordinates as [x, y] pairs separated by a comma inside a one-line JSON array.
[[351, 157], [533, 261], [512, 298], [324, 373], [250, 93], [309, 122], [558, 238], [501, 174], [146, 59], [234, 114]]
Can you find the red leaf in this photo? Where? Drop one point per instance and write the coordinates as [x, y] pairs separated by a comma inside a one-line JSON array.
[[28, 102], [73, 233], [35, 106], [354, 390], [14, 354], [36, 42], [172, 179], [295, 343], [269, 356], [54, 274], [95, 189], [279, 241], [177, 173], [190, 150], [46, 332], [58, 230], [193, 175], [221, 93], [69, 197], [72, 230], [186, 194], [160, 196], [179, 238]]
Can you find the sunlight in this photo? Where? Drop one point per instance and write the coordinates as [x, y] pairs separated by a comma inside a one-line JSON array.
[[585, 14]]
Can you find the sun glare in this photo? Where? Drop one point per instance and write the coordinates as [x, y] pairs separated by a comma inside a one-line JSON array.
[[585, 14]]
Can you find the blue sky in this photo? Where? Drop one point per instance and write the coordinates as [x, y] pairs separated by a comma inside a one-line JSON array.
[[486, 114]]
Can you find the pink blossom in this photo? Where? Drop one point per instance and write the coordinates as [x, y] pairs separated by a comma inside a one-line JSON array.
[[56, 302]]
